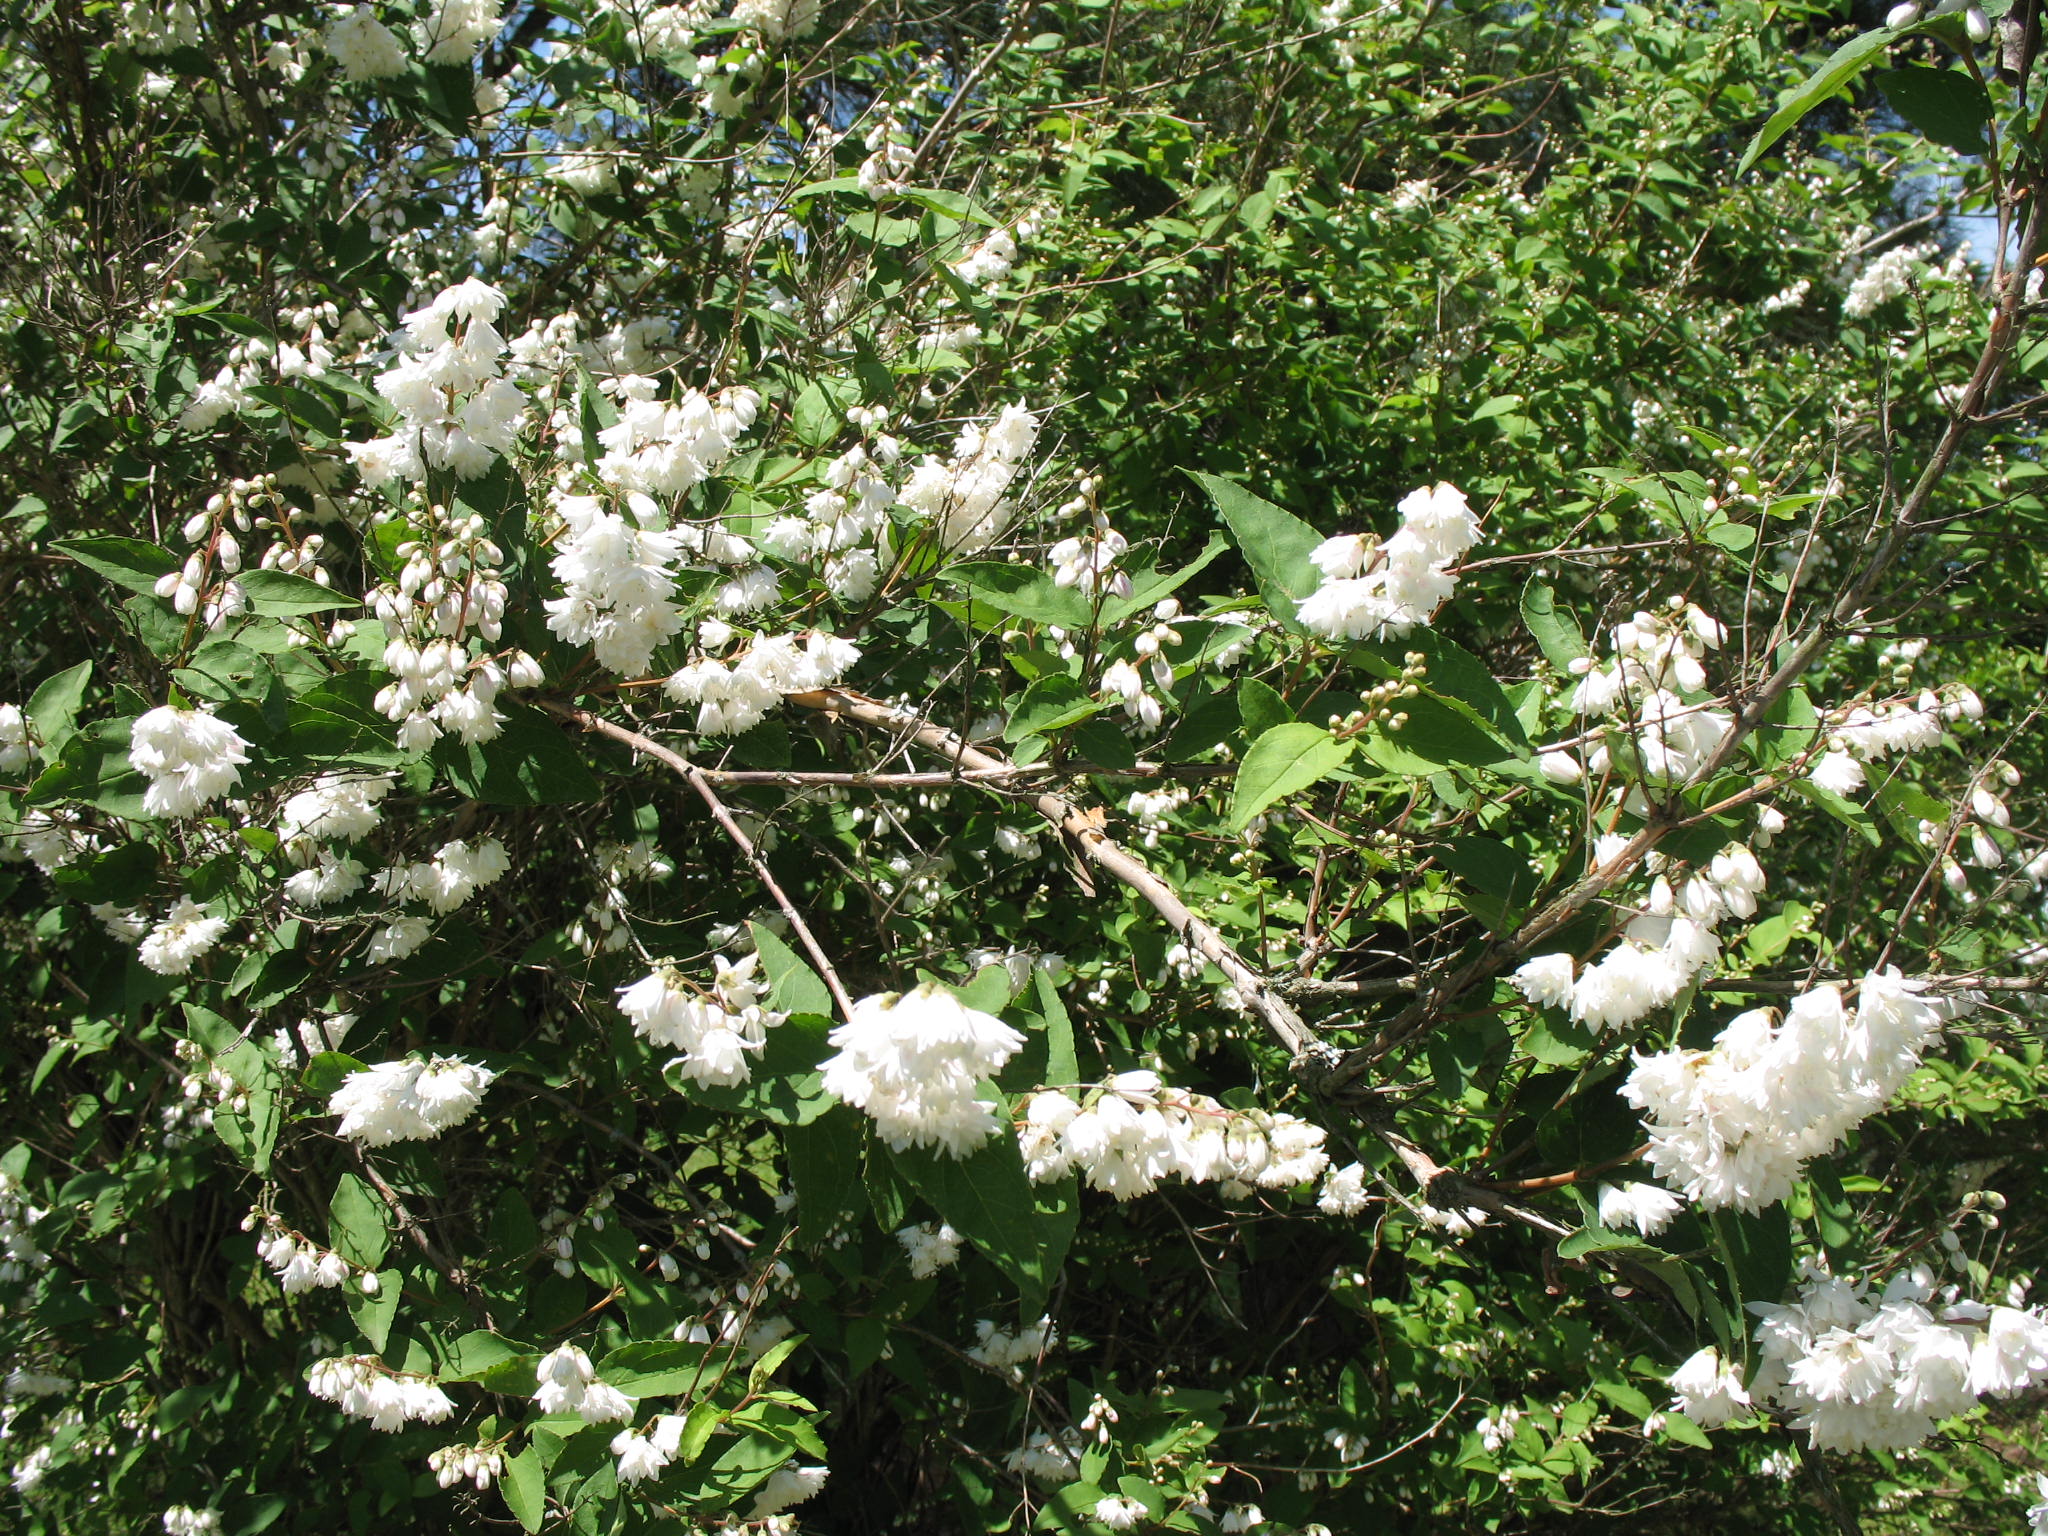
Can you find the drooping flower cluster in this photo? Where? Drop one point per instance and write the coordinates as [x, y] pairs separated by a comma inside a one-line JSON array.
[[1645, 1207], [189, 757], [912, 1059], [364, 1387], [479, 1464], [183, 1520], [1864, 1371], [734, 696], [300, 1265], [407, 1100], [364, 47], [661, 448], [618, 585], [1886, 278], [180, 938], [643, 1454], [1669, 942], [456, 408], [337, 807], [568, 1383], [1131, 1132], [1657, 658], [930, 1246], [714, 1029], [965, 497], [453, 30], [789, 1484], [1372, 589], [1734, 1125], [18, 1251]]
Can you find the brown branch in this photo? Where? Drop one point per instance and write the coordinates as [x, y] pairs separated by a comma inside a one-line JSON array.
[[694, 777], [1083, 834]]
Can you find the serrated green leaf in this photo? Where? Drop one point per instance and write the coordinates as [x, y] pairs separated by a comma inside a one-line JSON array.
[[1274, 542], [1842, 66], [1284, 761]]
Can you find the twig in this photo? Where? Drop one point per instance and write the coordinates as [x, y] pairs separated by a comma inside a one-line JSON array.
[[694, 777]]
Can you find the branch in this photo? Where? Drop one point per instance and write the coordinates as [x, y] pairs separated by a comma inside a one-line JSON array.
[[1084, 837], [694, 777]]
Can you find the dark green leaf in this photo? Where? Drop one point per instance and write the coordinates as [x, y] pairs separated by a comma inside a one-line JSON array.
[[1282, 762], [1842, 66], [1945, 104], [1275, 543]]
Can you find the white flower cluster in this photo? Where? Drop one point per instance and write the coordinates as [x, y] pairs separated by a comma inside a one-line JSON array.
[[1149, 808], [663, 449], [777, 20], [1734, 1125], [1866, 734], [912, 1059], [1006, 1349], [479, 1464], [452, 582], [407, 1100], [299, 1264], [1371, 589], [988, 261], [931, 1246], [453, 30], [965, 497], [364, 1387], [188, 756], [180, 938], [18, 1251], [17, 750], [568, 1383], [336, 807], [1497, 1428], [1789, 297], [1886, 278], [789, 1484], [457, 409], [618, 584], [1119, 1513], [183, 1520], [457, 872], [643, 1454], [1126, 680], [714, 1029], [735, 696], [1088, 563], [1045, 1459], [1859, 1371], [1643, 1206], [364, 47], [1656, 657], [1669, 942], [1131, 1132]]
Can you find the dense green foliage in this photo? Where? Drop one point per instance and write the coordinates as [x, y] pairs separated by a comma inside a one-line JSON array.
[[1274, 268]]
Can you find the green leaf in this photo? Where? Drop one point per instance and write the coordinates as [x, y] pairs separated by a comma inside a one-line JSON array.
[[526, 1488], [532, 762], [824, 1166], [1945, 104], [1553, 629], [793, 986], [280, 595], [1678, 1427], [658, 1368], [1843, 809], [1148, 589], [374, 1314], [988, 1199], [1261, 708], [1842, 66], [1061, 1066], [1287, 759], [53, 708], [698, 1429], [1275, 543], [763, 1370], [1756, 1251], [1023, 592], [1052, 703], [129, 563], [355, 1222]]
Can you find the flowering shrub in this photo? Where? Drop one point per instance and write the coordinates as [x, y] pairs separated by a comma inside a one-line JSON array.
[[790, 767]]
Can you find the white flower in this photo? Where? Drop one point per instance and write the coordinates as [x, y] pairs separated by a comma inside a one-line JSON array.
[[1643, 1206], [364, 47], [183, 936], [16, 750], [788, 1484], [189, 757], [1343, 1192], [931, 1247], [1119, 1513], [1545, 980], [639, 1457], [1707, 1391], [408, 1100], [1837, 771], [912, 1059]]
